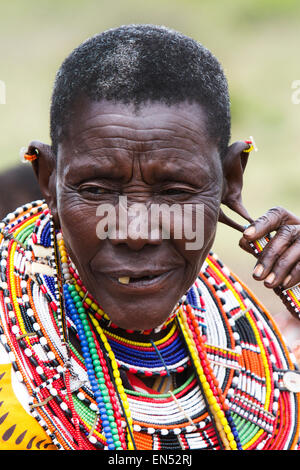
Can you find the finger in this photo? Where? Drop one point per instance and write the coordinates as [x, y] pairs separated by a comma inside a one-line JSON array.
[[283, 266], [293, 278], [244, 244], [272, 220], [277, 246]]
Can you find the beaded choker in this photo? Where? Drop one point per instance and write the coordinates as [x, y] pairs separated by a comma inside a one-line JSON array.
[[228, 397]]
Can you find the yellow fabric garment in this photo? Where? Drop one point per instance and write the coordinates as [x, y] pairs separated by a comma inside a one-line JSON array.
[[18, 429]]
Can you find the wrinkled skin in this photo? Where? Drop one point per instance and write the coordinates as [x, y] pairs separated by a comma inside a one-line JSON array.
[[159, 154]]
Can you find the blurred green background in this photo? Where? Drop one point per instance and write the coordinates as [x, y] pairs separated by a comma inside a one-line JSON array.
[[258, 44]]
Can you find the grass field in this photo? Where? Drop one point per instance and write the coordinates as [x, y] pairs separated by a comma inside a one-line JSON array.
[[257, 41]]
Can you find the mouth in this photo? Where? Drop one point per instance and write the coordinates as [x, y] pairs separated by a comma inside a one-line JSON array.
[[140, 281]]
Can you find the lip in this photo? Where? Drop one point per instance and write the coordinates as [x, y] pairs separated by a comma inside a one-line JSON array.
[[142, 286]]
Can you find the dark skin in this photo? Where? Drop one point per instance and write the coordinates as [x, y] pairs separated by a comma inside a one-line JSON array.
[[161, 154]]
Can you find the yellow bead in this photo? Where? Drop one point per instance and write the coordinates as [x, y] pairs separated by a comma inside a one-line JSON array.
[[212, 400], [216, 407], [203, 379], [233, 445], [111, 355], [223, 420], [227, 429]]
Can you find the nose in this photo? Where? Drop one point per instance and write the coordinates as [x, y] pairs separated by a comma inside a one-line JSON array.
[[134, 225]]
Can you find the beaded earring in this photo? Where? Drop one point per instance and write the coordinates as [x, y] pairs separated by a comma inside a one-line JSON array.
[[28, 157], [252, 145]]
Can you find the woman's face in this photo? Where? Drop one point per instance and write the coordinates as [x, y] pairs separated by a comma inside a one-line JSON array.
[[157, 155]]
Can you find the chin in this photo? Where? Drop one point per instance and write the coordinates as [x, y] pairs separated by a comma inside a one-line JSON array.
[[145, 317]]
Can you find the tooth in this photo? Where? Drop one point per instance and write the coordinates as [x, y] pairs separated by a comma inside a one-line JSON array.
[[124, 280]]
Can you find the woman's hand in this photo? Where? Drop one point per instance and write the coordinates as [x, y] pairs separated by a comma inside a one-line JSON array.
[[279, 263]]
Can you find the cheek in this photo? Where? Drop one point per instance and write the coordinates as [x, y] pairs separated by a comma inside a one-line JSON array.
[[78, 224], [199, 231]]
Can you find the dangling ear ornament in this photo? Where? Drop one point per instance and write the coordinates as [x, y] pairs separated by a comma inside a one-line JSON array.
[[28, 157], [235, 203], [252, 145]]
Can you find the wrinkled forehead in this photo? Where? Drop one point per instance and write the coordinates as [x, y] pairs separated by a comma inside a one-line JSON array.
[[110, 133]]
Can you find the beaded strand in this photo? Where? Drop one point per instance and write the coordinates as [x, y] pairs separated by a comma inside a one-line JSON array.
[[218, 405]]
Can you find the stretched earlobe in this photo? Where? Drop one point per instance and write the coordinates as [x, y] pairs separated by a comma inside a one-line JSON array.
[[234, 166], [44, 166]]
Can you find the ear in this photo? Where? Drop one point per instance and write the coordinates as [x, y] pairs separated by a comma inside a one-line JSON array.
[[44, 167], [234, 165]]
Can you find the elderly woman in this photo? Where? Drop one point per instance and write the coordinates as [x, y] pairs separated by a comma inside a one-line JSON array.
[[117, 340]]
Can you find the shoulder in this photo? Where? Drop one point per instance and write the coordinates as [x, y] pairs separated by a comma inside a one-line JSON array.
[[18, 429], [250, 358]]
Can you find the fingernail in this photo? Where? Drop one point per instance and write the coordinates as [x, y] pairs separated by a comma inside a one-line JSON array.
[[258, 270], [249, 231], [287, 280], [270, 278]]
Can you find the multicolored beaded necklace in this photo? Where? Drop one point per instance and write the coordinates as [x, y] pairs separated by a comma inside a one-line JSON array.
[[218, 341]]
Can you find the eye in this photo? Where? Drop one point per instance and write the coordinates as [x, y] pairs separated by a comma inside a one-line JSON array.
[[92, 190], [176, 191], [171, 192]]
